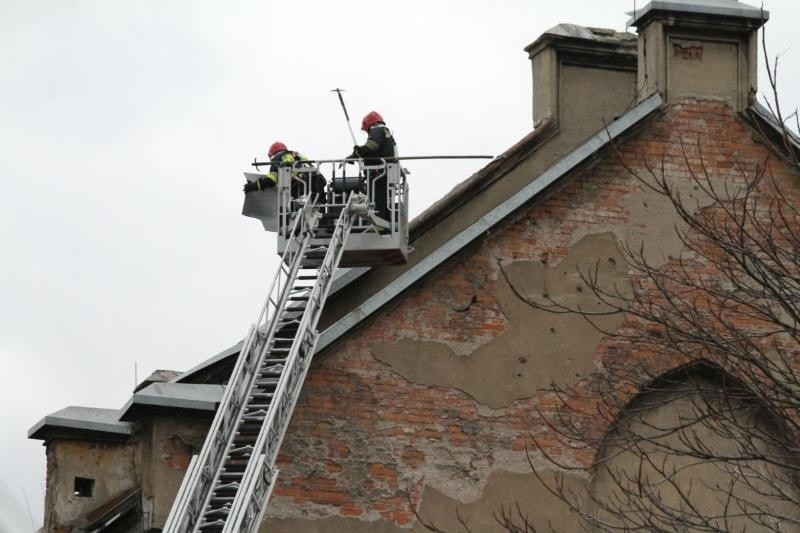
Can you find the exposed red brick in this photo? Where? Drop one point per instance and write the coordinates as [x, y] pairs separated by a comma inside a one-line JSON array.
[[363, 427]]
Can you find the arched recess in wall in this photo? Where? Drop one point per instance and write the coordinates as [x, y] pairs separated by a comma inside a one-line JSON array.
[[697, 451]]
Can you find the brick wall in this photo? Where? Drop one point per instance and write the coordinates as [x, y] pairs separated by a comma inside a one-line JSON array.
[[365, 441]]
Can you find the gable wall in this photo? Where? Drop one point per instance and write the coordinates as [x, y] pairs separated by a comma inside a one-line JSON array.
[[432, 404]]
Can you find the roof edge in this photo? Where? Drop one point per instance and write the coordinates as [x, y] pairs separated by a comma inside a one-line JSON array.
[[715, 9], [502, 164], [769, 118], [174, 396], [490, 219], [81, 420]]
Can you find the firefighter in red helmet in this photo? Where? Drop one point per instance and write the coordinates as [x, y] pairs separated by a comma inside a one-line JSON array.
[[379, 146], [279, 156]]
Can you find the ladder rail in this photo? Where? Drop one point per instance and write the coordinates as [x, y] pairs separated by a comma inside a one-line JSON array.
[[281, 286], [186, 503], [260, 476], [181, 498], [199, 479]]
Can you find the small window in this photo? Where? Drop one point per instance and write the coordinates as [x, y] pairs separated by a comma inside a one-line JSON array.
[[83, 487]]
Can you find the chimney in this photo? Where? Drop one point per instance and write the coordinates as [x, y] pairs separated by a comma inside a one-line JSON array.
[[698, 48], [582, 77]]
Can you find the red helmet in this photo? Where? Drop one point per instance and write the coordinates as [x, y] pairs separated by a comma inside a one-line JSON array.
[[275, 148], [371, 118]]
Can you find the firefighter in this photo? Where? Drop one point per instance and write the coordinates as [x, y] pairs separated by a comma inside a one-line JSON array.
[[380, 144], [280, 155]]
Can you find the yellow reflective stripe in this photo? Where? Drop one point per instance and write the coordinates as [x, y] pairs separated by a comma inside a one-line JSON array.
[[273, 177], [287, 159], [371, 145]]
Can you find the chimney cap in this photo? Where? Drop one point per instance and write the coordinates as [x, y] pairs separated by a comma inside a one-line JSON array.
[[573, 33], [719, 8]]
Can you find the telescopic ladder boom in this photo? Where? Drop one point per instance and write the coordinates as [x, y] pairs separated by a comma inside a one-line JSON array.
[[228, 484]]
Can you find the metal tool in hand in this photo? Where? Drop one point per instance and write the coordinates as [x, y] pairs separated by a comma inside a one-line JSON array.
[[346, 115]]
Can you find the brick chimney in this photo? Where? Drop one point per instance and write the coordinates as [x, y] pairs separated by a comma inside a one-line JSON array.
[[582, 77], [698, 48]]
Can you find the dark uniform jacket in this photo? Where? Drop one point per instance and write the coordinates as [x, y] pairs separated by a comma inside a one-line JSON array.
[[288, 158], [380, 143]]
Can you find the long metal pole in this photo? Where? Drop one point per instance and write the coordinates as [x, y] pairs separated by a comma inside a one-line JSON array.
[[392, 159], [346, 115]]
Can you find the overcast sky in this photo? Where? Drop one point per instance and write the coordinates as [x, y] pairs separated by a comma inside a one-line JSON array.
[[124, 129]]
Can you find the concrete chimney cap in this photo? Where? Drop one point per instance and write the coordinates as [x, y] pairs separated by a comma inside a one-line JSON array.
[[571, 30], [589, 33], [724, 8]]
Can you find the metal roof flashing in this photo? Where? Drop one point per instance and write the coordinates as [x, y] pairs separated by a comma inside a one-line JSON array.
[[180, 396], [489, 220], [772, 122], [75, 420], [715, 8], [81, 419]]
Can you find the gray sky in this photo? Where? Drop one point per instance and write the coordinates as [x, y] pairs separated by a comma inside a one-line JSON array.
[[124, 128]]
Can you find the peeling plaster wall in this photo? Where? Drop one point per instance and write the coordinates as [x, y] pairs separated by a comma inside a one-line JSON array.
[[504, 491], [173, 442], [154, 459], [536, 347], [432, 404], [111, 465]]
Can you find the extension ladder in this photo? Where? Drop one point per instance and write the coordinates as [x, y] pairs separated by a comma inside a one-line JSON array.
[[228, 484]]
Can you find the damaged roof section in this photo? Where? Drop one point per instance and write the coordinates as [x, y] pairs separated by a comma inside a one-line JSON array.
[[597, 35], [158, 376], [121, 509]]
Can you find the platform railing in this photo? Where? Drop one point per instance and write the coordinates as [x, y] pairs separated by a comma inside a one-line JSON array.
[[295, 181]]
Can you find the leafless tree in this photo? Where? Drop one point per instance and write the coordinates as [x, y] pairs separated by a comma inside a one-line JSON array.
[[694, 424]]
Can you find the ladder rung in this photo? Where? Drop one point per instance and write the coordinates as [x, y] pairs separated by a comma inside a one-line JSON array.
[[255, 415], [230, 485], [241, 449], [215, 523]]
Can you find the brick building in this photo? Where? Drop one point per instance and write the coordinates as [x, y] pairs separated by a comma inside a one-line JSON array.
[[431, 378]]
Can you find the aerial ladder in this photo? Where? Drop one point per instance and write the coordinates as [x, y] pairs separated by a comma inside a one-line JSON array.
[[228, 484]]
